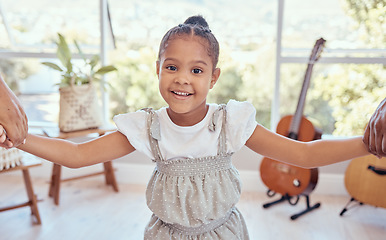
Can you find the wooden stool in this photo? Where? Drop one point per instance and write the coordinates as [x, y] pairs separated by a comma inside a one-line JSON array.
[[108, 171], [32, 200]]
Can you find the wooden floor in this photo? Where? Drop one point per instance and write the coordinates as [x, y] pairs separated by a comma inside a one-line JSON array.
[[91, 210]]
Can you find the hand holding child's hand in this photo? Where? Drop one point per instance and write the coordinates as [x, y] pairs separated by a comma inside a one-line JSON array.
[[375, 134]]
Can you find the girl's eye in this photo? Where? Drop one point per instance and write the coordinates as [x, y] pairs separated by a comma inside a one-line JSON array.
[[171, 68], [196, 71]]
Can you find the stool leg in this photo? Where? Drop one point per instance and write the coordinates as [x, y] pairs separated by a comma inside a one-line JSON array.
[[55, 183], [31, 196], [110, 176]]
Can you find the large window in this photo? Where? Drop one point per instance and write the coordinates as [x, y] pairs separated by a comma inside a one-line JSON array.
[[349, 80], [248, 35]]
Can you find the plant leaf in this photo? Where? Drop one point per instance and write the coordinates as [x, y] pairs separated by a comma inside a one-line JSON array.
[[79, 50], [66, 80], [94, 61], [106, 69], [63, 52], [53, 66], [69, 66]]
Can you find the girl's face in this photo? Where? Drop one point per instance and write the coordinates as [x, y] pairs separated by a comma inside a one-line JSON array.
[[185, 73]]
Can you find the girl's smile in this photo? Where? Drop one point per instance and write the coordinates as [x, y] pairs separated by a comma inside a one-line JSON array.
[[181, 94]]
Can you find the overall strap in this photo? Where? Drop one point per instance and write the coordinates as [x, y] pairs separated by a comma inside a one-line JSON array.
[[220, 112], [153, 129]]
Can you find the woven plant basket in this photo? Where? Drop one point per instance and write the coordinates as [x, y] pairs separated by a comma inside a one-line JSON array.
[[79, 108]]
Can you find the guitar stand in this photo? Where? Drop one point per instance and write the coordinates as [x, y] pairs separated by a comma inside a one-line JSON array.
[[288, 198], [347, 205]]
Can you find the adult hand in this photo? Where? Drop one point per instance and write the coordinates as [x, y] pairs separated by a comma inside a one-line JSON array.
[[12, 117], [375, 134]]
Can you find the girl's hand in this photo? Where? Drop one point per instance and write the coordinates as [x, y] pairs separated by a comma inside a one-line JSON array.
[[4, 141]]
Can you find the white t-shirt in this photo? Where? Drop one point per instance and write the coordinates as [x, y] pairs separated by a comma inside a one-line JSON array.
[[192, 141]]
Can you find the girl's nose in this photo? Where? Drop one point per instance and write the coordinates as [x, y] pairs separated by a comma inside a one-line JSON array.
[[182, 78]]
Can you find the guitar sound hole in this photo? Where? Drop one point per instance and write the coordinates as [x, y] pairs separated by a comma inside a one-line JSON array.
[[296, 182]]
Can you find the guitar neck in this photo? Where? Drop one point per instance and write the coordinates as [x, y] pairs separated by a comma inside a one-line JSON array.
[[295, 124], [296, 120]]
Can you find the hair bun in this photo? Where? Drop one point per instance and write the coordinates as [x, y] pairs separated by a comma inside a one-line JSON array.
[[197, 20]]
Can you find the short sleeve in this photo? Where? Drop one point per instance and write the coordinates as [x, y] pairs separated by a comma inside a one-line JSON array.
[[241, 123], [134, 127]]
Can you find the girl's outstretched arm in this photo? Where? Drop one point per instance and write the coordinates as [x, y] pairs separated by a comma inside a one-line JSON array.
[[75, 155], [305, 154]]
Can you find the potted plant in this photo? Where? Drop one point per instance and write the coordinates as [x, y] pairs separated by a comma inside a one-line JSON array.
[[79, 106]]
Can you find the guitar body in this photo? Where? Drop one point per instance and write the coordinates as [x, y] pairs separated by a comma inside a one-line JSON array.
[[306, 132], [365, 180], [284, 178]]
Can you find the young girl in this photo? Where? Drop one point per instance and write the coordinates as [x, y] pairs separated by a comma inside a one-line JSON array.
[[194, 187]]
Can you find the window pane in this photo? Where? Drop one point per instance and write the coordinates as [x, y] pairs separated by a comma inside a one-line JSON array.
[[34, 24], [344, 26], [341, 97], [34, 84]]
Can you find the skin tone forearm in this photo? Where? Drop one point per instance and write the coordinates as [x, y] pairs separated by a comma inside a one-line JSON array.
[[305, 154], [73, 155], [12, 117], [325, 152]]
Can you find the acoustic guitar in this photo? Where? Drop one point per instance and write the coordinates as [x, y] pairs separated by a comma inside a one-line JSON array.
[[286, 179], [365, 180]]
